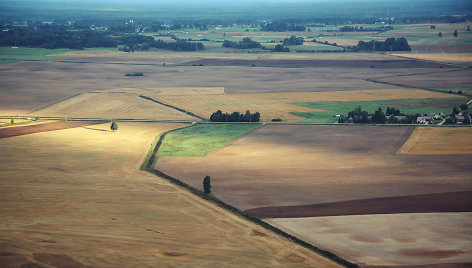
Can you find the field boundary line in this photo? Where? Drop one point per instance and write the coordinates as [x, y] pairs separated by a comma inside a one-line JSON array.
[[410, 142], [172, 107], [42, 108], [433, 61], [150, 160], [403, 139]]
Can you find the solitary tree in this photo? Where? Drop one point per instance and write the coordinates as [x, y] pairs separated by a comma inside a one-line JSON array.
[[114, 126], [456, 33], [440, 34], [207, 184], [12, 121]]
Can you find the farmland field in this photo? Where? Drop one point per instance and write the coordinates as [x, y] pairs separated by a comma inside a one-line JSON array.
[[279, 166], [316, 107], [374, 195], [114, 104], [10, 54], [27, 86], [202, 139], [453, 79], [94, 208], [425, 141]]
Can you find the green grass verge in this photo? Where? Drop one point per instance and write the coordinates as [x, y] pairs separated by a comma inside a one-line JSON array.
[[407, 106], [202, 139]]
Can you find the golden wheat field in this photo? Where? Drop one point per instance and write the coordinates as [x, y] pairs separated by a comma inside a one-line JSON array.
[[278, 105], [440, 140], [114, 105], [94, 208]]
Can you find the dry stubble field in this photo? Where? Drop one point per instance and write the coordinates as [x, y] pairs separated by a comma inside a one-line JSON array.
[[112, 104], [27, 86], [75, 198], [301, 165]]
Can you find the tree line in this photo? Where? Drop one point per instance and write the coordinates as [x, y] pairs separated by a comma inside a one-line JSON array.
[[219, 116]]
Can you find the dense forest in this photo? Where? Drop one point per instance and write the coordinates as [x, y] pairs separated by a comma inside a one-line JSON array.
[[282, 27], [54, 36], [390, 44]]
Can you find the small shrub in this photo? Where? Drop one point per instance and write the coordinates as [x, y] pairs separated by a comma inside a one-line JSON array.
[[114, 126], [134, 74]]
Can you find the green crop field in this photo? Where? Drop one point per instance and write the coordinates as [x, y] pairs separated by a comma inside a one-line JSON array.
[[406, 106], [10, 54], [202, 139]]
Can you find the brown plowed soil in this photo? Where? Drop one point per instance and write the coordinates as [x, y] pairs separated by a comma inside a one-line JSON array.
[[442, 202], [321, 63], [50, 126]]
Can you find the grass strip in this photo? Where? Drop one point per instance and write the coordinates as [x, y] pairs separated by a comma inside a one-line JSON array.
[[203, 139]]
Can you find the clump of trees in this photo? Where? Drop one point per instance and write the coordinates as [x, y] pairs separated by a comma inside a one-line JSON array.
[[282, 27], [293, 40], [219, 116], [246, 43], [390, 44], [135, 74], [280, 48]]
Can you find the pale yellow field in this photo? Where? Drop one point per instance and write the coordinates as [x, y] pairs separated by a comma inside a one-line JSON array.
[[176, 57], [78, 194], [441, 57], [430, 237], [277, 105], [313, 44], [339, 41], [168, 91], [439, 140], [114, 105]]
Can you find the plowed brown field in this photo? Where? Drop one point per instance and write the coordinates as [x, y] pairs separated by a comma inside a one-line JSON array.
[[297, 166]]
